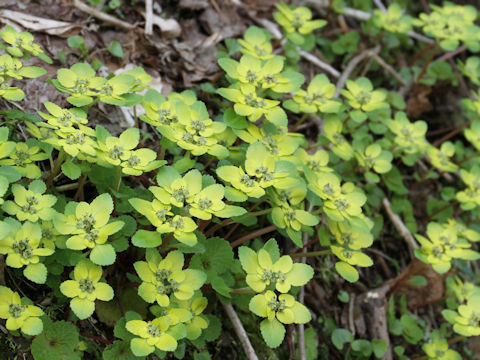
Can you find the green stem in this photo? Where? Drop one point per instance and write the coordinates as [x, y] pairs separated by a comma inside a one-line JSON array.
[[56, 167], [312, 253], [226, 222], [242, 291], [118, 179], [135, 116], [79, 192]]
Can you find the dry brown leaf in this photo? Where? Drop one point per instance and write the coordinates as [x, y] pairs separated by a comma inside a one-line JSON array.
[[35, 23]]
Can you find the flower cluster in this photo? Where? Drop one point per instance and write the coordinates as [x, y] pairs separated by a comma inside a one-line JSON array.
[[279, 273]]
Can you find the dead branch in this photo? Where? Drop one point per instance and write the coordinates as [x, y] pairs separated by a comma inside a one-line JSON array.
[[400, 226], [103, 16], [240, 331]]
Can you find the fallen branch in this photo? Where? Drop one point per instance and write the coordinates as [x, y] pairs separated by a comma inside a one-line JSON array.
[[301, 298], [273, 29], [240, 331], [148, 17], [352, 65], [400, 226], [365, 16], [373, 305], [103, 16]]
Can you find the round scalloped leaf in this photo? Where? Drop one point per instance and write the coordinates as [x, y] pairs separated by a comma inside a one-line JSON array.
[[273, 332], [347, 271], [103, 255], [36, 273]]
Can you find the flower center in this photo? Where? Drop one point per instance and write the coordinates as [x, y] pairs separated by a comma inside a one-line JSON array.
[[16, 310], [247, 180], [153, 330], [204, 203], [21, 157], [23, 248], [133, 161], [180, 194], [364, 97], [341, 204], [276, 305], [86, 285], [198, 125], [87, 223], [116, 152]]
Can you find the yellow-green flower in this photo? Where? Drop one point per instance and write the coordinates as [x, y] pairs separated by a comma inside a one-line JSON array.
[[140, 161], [75, 142], [316, 162], [22, 246], [22, 41], [409, 136], [22, 159], [63, 118], [117, 149], [361, 96], [466, 320], [262, 272], [283, 308], [197, 323], [296, 22], [174, 189], [440, 158], [441, 246], [374, 157], [163, 278], [89, 228], [30, 204], [18, 314], [317, 97], [437, 348], [248, 103], [153, 334], [155, 211], [393, 20], [333, 132], [256, 42], [85, 288]]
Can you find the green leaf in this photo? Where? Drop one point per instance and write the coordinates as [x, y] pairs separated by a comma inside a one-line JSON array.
[[32, 72], [340, 337], [214, 329], [347, 271], [235, 121], [273, 332], [57, 342], [379, 347], [217, 258], [115, 48], [232, 194], [103, 254], [218, 284], [362, 346], [418, 280], [271, 246], [71, 170], [119, 350], [146, 239], [36, 273], [10, 173]]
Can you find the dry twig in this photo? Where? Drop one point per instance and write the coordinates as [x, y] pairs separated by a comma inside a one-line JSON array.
[[103, 16], [148, 17], [400, 226], [240, 331], [352, 65], [273, 29]]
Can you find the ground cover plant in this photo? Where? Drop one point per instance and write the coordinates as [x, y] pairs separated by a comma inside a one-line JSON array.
[[314, 213]]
